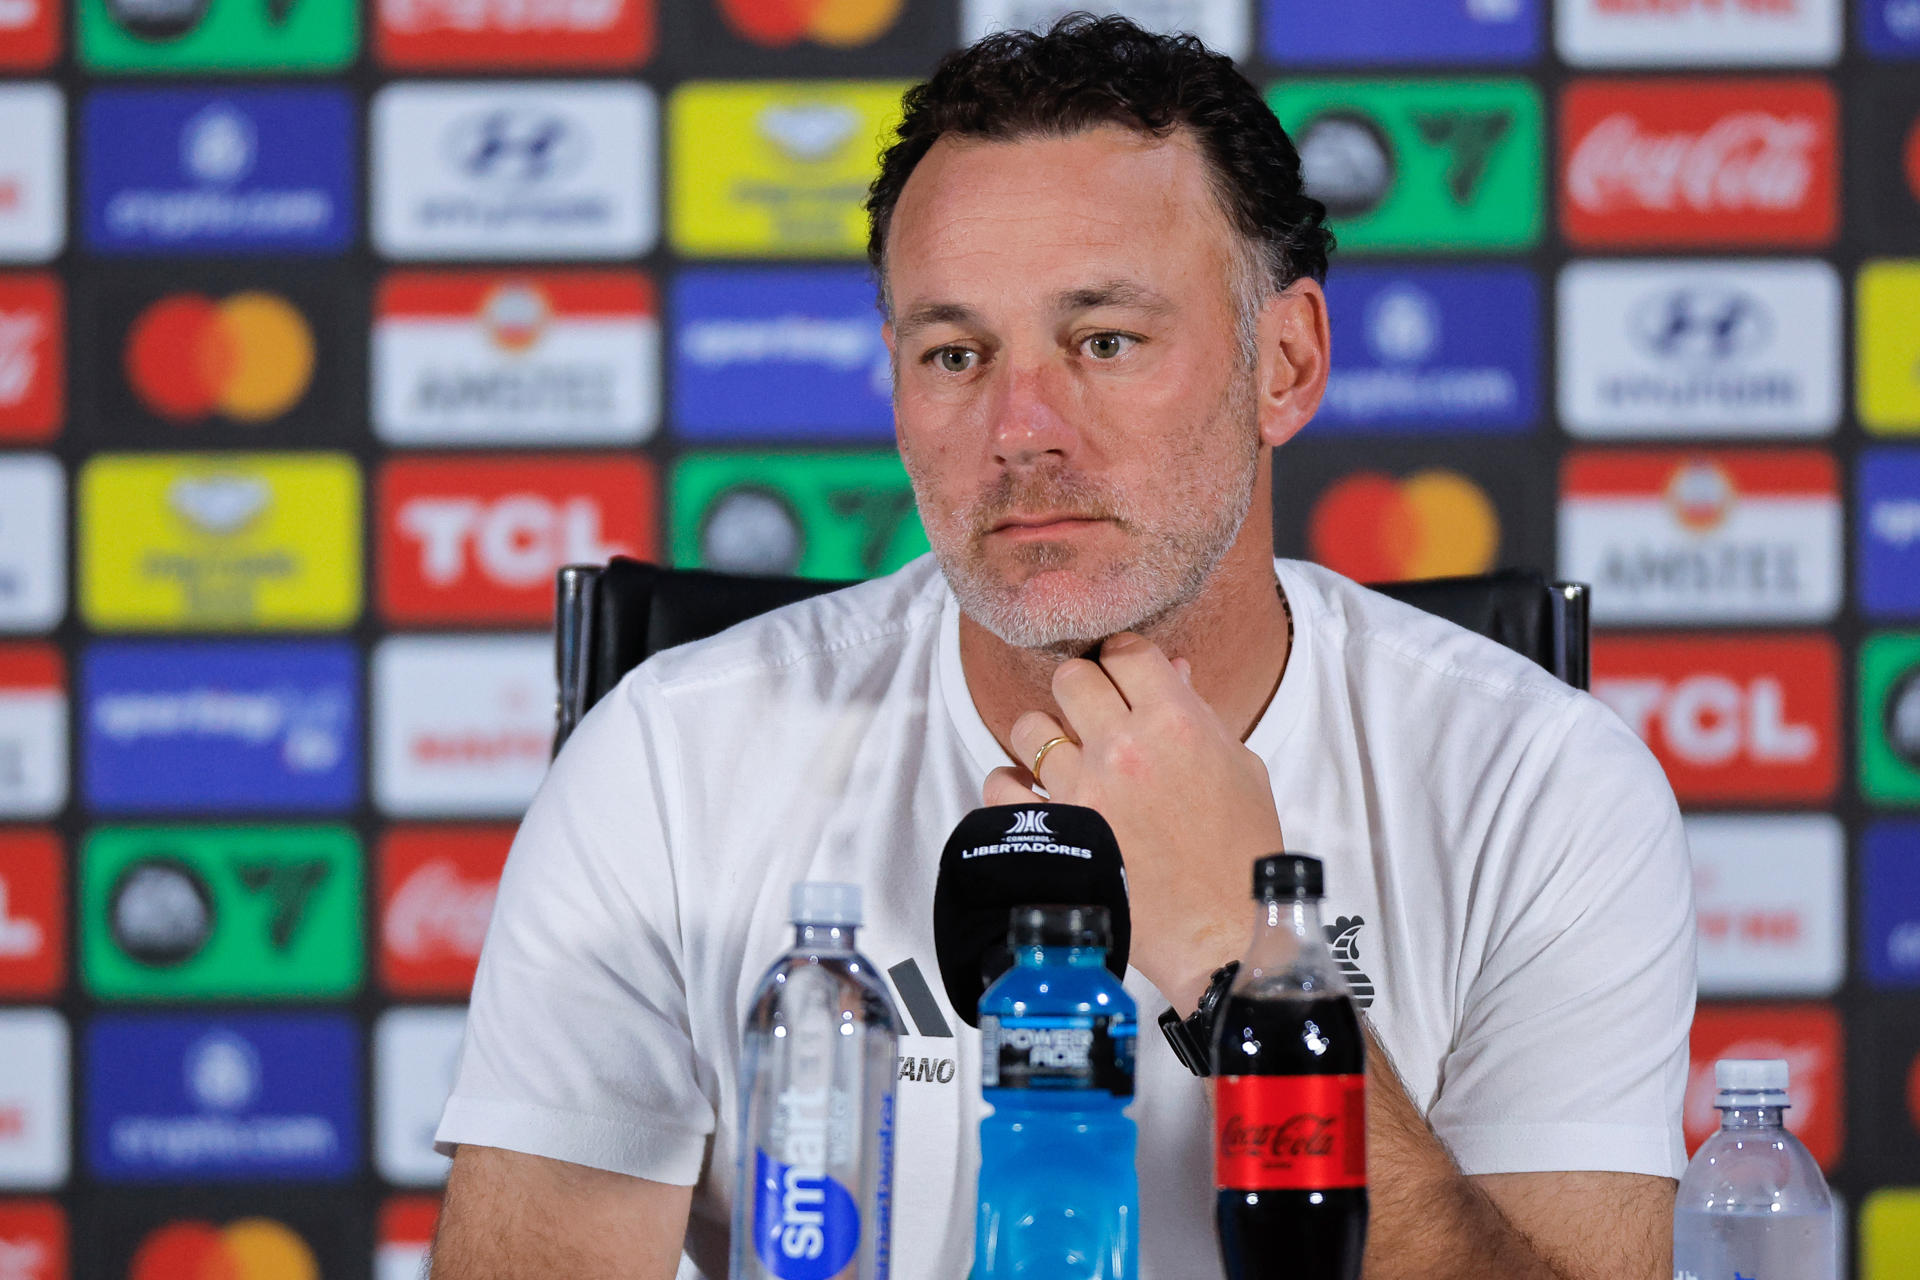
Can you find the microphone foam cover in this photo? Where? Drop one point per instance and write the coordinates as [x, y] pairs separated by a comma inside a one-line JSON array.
[[1019, 855]]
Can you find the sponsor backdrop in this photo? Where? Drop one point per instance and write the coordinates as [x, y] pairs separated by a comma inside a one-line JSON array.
[[330, 328]]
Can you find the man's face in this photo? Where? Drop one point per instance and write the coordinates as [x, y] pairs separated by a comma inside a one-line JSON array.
[[1070, 398]]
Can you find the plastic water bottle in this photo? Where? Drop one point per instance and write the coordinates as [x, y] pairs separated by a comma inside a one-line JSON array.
[[1059, 1199], [1753, 1204], [813, 1188]]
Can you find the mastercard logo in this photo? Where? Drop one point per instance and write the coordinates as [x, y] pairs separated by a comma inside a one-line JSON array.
[[842, 23], [1432, 524], [248, 357], [249, 1249]]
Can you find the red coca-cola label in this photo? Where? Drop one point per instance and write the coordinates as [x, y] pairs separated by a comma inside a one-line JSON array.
[[1290, 1133], [1749, 162]]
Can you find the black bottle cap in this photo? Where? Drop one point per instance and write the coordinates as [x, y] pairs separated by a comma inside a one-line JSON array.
[[1049, 926], [1288, 875]]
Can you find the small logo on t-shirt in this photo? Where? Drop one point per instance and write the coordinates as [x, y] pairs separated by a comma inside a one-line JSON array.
[[1343, 935]]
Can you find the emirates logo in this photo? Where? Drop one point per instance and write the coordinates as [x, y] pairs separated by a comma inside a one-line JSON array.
[[1746, 161], [1343, 935]]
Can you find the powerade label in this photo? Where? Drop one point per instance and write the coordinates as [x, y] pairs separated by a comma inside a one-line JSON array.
[[1290, 1133], [807, 1226], [1073, 1052]]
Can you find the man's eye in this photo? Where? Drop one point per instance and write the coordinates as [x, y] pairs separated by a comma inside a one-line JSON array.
[[1105, 346], [953, 359]]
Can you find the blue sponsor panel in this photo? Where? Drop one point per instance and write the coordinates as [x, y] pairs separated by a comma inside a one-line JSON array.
[[1890, 903], [1313, 32], [1418, 350], [1891, 28], [165, 171], [1887, 532], [204, 728], [779, 355], [249, 1096]]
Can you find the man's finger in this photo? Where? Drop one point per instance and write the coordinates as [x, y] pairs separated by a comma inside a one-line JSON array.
[[1087, 695], [1140, 671], [1007, 785], [1035, 730]]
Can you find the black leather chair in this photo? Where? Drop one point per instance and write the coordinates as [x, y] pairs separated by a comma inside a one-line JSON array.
[[610, 618]]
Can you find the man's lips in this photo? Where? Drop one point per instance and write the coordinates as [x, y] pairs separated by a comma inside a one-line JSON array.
[[1051, 524]]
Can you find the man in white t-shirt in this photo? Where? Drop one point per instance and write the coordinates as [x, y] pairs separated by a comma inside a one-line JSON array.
[[1100, 282]]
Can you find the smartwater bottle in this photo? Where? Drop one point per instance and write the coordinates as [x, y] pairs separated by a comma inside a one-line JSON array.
[[1058, 1199], [1753, 1203], [813, 1187]]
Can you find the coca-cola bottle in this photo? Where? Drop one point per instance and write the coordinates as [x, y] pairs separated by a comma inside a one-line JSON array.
[[1290, 1097]]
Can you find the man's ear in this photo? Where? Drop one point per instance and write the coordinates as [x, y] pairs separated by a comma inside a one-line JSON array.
[[1295, 349]]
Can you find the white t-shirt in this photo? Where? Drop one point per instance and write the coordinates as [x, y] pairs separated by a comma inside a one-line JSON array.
[[1504, 861]]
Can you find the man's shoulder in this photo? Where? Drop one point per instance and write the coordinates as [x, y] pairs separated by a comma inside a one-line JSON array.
[[873, 623], [1371, 635]]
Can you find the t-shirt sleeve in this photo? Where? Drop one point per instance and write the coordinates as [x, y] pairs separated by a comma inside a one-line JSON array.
[[1572, 1051], [577, 1039]]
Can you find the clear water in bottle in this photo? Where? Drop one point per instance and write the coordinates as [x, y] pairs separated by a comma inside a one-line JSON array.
[[1753, 1204], [813, 1185]]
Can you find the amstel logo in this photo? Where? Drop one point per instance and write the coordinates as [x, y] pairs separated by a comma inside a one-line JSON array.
[[248, 357], [247, 1249]]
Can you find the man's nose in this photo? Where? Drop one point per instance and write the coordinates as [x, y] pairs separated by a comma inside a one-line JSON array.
[[1029, 421]]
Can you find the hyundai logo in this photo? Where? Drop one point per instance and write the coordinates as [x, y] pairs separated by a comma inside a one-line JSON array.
[[1701, 324], [516, 146]]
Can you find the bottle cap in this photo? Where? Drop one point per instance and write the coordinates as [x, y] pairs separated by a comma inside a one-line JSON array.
[[1049, 926], [1288, 875], [825, 902], [1751, 1075]]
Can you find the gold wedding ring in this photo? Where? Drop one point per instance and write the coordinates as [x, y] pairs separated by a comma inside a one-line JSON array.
[[1040, 756]]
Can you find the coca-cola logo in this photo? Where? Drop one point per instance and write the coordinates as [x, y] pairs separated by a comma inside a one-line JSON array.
[[1745, 161], [436, 911], [1301, 1136]]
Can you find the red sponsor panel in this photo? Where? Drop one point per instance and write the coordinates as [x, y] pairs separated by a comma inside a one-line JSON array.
[[31, 668], [33, 1240], [513, 33], [29, 34], [1806, 1036], [479, 539], [437, 886], [32, 357], [33, 914], [1699, 162], [1733, 719]]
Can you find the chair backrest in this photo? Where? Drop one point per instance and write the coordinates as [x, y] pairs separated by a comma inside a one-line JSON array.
[[610, 618]]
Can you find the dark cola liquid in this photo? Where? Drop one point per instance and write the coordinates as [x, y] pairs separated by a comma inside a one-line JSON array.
[[1291, 1235]]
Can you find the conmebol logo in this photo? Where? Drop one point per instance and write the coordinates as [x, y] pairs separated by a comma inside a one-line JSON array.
[[1030, 822]]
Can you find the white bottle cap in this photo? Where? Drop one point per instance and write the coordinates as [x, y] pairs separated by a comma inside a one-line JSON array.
[[1751, 1075], [824, 902]]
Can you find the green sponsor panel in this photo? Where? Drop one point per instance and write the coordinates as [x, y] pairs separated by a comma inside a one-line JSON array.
[[218, 35], [1421, 165], [1890, 719], [811, 515], [221, 913]]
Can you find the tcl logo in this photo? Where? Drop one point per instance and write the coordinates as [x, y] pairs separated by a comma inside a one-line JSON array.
[[33, 1240], [437, 886], [1807, 1036], [1699, 162], [33, 947], [1730, 718], [32, 356], [478, 540]]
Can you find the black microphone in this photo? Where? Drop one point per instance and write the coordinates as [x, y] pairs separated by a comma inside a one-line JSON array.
[[1020, 855]]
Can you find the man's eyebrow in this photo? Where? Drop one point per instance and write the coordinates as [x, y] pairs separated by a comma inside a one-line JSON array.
[[928, 314], [1111, 293]]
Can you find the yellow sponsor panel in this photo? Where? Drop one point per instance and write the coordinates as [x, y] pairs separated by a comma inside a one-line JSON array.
[[1889, 347], [220, 541], [1890, 1235], [774, 169]]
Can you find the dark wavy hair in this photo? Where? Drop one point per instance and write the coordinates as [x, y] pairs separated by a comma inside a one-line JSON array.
[[1087, 71]]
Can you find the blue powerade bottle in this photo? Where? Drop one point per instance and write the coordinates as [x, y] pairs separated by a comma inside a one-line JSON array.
[[1059, 1199]]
